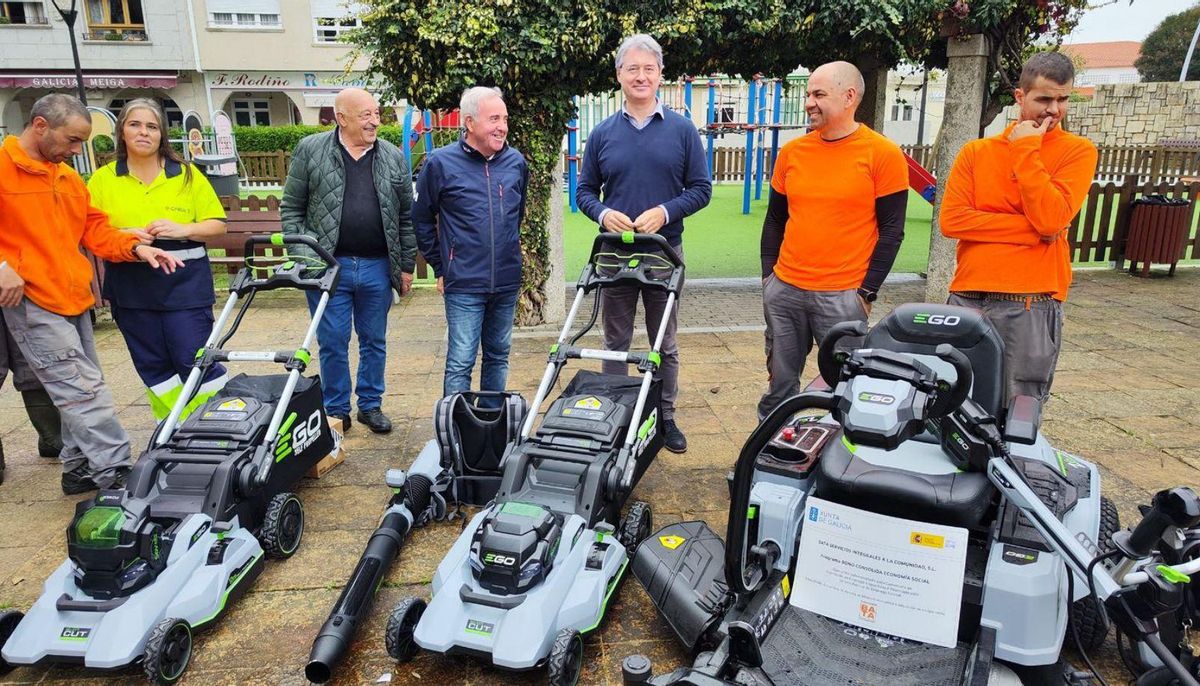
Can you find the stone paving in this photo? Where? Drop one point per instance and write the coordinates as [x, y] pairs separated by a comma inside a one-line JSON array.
[[1127, 395]]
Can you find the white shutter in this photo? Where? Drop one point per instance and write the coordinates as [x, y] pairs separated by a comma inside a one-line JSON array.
[[337, 8], [243, 6]]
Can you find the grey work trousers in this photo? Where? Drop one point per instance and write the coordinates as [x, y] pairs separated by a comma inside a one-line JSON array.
[[796, 319], [11, 360], [619, 305], [1032, 339], [62, 353]]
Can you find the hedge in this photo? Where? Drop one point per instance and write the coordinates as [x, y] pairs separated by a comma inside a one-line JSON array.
[[274, 138]]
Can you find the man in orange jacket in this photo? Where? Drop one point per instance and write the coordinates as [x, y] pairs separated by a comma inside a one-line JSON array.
[[1009, 201], [45, 284]]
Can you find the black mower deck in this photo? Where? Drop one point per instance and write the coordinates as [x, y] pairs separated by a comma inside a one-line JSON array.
[[806, 648]]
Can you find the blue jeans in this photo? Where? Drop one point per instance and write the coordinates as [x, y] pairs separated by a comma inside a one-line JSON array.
[[470, 318], [362, 299]]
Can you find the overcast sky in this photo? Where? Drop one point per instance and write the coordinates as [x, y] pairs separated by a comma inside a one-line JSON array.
[[1124, 21]]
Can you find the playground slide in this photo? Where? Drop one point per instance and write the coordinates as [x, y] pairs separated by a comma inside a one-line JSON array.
[[920, 180]]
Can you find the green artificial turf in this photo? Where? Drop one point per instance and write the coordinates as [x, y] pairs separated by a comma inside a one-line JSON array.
[[720, 241]]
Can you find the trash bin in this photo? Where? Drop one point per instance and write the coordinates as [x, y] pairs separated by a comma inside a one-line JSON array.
[[1158, 232], [223, 184]]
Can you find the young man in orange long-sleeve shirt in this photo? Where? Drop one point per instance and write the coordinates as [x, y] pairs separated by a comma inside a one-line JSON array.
[[1009, 201], [45, 284]]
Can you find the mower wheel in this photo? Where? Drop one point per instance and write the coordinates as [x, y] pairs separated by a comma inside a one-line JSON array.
[[9, 619], [636, 525], [400, 628], [283, 526], [566, 658], [168, 651], [1084, 615]]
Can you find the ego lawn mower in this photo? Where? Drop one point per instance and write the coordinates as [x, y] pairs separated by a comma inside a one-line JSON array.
[[534, 570], [912, 446], [150, 564]]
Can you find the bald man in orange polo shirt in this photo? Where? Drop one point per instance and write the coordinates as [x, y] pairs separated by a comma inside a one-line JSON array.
[[1009, 201], [834, 222]]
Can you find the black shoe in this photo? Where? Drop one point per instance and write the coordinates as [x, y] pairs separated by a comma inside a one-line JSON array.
[[344, 419], [375, 420], [78, 481], [675, 440]]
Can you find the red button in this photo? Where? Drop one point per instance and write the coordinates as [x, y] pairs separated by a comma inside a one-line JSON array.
[[788, 435]]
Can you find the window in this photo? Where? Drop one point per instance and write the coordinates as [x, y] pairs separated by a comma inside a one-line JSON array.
[[246, 20], [332, 18], [901, 111], [251, 113], [27, 13], [244, 14], [115, 14], [329, 29]]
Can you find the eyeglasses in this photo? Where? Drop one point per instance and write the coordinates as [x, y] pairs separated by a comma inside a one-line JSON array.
[[634, 70]]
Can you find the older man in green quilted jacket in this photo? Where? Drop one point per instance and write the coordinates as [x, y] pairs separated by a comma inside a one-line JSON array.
[[352, 191]]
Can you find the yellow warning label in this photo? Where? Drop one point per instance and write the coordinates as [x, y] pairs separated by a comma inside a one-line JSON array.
[[786, 585], [233, 404], [927, 540], [588, 403], [671, 542]]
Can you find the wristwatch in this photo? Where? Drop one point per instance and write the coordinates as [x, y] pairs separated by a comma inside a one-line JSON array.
[[866, 295]]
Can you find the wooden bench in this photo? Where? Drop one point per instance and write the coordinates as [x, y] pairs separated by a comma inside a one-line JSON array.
[[255, 216], [244, 218]]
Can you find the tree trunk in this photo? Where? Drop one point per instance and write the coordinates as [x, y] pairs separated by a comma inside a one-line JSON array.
[[872, 111], [539, 136], [965, 75]]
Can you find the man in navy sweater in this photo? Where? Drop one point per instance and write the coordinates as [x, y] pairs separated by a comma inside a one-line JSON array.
[[650, 164]]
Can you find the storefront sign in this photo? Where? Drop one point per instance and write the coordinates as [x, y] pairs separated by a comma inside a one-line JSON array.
[[329, 81], [90, 82]]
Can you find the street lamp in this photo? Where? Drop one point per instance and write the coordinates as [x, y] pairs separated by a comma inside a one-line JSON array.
[[68, 15]]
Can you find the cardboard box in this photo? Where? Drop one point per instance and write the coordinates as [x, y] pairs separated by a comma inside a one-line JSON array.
[[335, 456]]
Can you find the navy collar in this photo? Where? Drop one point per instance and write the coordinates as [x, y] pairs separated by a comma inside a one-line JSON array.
[[466, 147], [170, 167]]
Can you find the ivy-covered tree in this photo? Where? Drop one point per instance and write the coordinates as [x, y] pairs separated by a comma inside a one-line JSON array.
[[1015, 29], [1164, 49]]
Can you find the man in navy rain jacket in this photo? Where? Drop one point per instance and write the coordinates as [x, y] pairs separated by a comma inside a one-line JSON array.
[[467, 216]]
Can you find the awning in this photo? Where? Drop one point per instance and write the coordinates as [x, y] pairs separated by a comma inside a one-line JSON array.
[[66, 80]]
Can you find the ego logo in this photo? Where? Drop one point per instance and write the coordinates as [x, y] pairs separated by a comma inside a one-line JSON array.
[[866, 611], [879, 398], [937, 319], [72, 633], [497, 559]]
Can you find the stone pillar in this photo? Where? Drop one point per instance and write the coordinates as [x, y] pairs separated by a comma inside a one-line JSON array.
[[872, 110], [556, 298], [965, 79]]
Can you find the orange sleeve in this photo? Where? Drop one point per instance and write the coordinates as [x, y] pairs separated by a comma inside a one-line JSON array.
[[1051, 202], [103, 239], [891, 171], [960, 219], [779, 171]]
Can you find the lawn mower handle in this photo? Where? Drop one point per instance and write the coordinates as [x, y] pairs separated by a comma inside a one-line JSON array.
[[629, 238], [827, 361], [743, 476]]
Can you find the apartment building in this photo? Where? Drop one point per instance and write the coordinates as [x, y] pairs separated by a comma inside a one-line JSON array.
[[264, 62]]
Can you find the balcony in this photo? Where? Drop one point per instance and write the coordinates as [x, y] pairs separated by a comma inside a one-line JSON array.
[[116, 33]]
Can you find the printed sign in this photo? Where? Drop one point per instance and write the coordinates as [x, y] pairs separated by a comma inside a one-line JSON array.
[[887, 574], [226, 146]]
